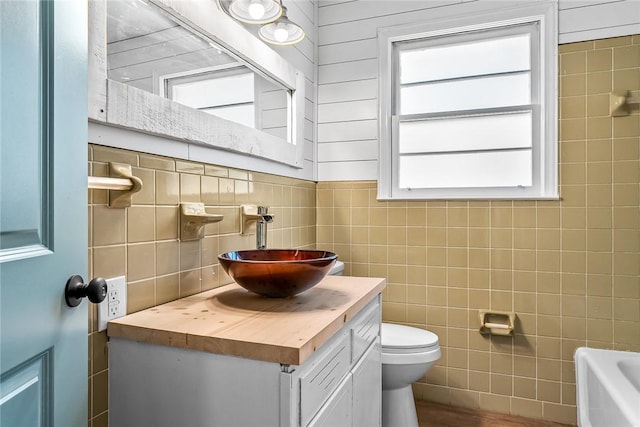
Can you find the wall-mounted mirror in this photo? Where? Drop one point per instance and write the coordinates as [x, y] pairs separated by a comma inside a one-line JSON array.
[[149, 50], [184, 69]]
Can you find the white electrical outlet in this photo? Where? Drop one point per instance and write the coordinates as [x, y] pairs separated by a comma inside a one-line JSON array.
[[115, 304]]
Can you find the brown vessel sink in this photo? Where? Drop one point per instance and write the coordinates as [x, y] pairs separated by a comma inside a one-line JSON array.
[[277, 273]]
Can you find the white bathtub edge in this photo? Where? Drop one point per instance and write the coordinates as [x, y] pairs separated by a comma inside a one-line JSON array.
[[603, 364]]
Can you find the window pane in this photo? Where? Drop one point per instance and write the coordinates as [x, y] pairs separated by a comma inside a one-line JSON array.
[[466, 170], [465, 59], [243, 114], [487, 92], [215, 91], [466, 133]]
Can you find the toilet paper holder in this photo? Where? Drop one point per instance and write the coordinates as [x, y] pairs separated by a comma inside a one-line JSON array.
[[497, 322]]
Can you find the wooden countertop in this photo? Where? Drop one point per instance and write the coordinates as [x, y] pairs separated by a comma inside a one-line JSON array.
[[232, 321]]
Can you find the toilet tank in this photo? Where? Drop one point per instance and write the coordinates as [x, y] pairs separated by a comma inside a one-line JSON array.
[[337, 269]]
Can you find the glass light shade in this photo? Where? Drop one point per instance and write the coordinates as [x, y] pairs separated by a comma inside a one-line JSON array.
[[255, 11], [282, 32]]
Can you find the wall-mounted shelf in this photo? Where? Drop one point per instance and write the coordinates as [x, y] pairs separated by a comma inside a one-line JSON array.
[[193, 218]]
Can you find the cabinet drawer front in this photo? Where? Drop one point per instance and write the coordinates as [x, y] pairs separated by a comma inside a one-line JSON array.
[[365, 329], [317, 384]]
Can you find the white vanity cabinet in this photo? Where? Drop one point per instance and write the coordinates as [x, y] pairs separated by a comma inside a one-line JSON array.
[[163, 385], [344, 381], [354, 403]]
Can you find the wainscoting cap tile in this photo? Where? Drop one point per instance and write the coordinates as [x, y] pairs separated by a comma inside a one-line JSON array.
[[575, 47], [189, 167], [216, 171], [157, 162], [613, 42], [237, 174], [107, 154]]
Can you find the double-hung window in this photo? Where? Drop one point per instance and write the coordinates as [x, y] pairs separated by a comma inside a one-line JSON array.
[[468, 107]]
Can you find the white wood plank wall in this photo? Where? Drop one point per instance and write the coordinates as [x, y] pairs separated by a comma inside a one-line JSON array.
[[304, 57], [348, 66]]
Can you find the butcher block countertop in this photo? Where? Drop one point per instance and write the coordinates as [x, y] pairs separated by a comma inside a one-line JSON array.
[[232, 321]]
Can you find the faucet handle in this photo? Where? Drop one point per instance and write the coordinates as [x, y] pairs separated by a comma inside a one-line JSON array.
[[249, 216], [264, 215]]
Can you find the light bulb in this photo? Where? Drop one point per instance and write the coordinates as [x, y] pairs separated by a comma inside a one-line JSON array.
[[280, 33], [256, 9]]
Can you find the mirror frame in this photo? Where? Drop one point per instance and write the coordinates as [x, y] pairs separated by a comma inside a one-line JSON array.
[[117, 104]]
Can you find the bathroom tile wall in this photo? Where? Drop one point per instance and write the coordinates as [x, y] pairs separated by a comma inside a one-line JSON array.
[[570, 269], [141, 242]]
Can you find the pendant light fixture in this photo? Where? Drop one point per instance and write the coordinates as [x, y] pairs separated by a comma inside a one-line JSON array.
[[252, 11], [282, 31], [276, 27]]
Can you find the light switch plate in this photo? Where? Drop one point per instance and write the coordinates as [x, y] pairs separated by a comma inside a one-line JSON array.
[[115, 304]]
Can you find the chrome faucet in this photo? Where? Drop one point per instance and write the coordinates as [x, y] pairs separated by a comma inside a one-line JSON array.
[[261, 216], [264, 218]]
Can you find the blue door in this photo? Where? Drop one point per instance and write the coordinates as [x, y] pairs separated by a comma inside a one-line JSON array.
[[43, 212]]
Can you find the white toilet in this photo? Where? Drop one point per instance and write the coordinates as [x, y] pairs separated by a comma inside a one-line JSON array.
[[407, 354]]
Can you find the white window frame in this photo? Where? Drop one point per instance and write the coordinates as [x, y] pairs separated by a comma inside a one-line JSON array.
[[545, 133], [165, 83]]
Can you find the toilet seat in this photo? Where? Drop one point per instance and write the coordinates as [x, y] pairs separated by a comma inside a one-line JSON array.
[[400, 339]]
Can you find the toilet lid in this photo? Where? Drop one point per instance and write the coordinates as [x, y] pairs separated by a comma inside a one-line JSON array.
[[406, 337]]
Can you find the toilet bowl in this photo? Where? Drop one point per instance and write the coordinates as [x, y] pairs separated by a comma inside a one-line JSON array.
[[407, 354]]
